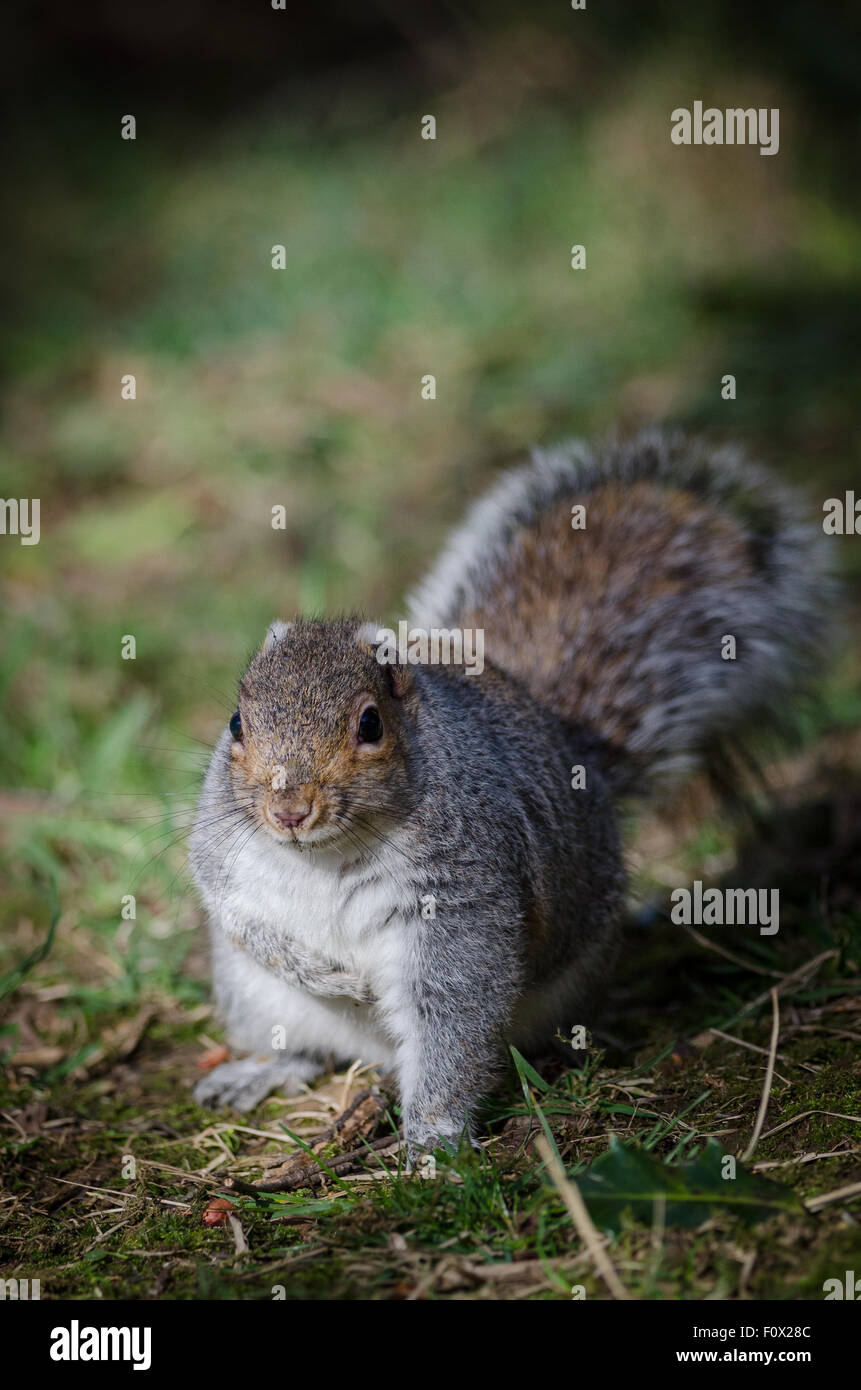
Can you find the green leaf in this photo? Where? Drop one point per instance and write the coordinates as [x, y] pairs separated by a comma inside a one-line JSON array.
[[305, 1208], [627, 1179], [528, 1075]]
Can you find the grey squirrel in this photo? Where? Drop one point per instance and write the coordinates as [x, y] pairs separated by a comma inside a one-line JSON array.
[[396, 860]]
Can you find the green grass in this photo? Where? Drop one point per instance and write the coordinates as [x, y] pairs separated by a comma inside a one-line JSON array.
[[302, 387]]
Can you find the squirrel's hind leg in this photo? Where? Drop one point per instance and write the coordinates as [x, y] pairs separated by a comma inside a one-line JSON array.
[[289, 1037], [242, 1084], [261, 1015]]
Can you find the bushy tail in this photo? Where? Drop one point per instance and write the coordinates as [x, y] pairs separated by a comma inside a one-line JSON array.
[[686, 602]]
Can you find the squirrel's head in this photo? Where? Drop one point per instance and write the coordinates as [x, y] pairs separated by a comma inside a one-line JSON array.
[[320, 742]]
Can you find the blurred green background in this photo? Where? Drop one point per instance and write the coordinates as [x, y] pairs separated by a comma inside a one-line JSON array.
[[301, 387]]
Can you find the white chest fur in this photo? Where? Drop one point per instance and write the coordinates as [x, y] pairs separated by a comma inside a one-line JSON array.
[[353, 917]]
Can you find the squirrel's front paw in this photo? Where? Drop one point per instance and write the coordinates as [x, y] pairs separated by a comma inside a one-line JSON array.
[[242, 1084], [341, 984]]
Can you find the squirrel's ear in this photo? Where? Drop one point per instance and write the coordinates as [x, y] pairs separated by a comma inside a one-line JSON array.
[[400, 680], [369, 634], [276, 633], [384, 645]]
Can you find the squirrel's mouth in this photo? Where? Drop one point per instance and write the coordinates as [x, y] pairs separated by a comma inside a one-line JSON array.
[[300, 838], [294, 816]]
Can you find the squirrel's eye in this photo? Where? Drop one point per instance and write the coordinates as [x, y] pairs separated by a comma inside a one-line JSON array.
[[235, 725], [370, 725]]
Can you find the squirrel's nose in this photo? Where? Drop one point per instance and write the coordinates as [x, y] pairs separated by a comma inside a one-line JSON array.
[[293, 815]]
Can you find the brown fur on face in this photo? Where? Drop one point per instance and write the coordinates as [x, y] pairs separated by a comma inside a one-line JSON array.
[[300, 701]]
